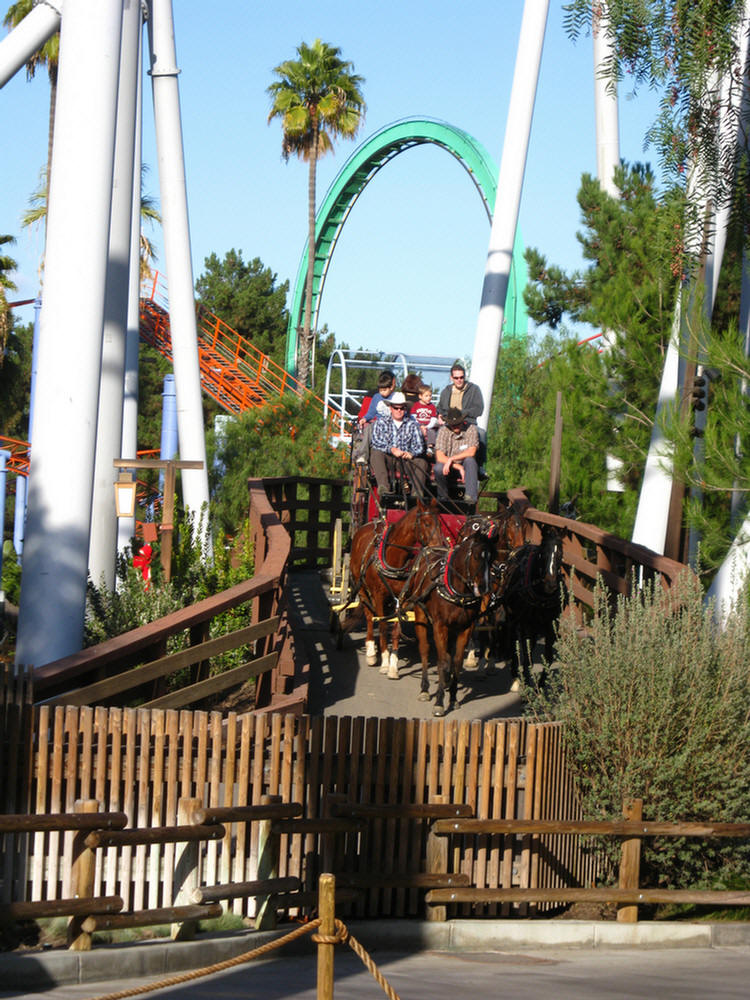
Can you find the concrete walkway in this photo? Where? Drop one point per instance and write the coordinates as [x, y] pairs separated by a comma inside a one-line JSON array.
[[497, 959], [341, 682]]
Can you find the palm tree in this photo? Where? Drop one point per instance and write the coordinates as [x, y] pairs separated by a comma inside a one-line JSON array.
[[318, 99], [7, 264], [48, 55]]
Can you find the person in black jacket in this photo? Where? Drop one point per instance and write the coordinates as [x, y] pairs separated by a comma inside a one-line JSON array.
[[461, 395]]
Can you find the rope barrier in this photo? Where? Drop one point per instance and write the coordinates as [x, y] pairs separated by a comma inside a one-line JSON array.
[[342, 936], [228, 963]]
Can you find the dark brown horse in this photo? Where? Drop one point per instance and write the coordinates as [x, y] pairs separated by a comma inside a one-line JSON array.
[[531, 599], [380, 561], [445, 590]]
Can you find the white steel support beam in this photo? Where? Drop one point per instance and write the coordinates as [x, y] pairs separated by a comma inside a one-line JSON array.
[[129, 441], [489, 330], [20, 45], [103, 544], [174, 211], [605, 111], [53, 587]]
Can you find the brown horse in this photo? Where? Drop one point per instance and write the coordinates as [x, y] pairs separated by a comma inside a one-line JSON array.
[[380, 561], [531, 601], [446, 589], [511, 534]]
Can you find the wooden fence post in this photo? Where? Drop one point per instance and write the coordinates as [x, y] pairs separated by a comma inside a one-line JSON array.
[[185, 871], [268, 867], [327, 911], [630, 861], [82, 877], [437, 862]]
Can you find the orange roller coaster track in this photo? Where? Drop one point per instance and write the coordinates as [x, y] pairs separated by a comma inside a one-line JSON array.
[[233, 372]]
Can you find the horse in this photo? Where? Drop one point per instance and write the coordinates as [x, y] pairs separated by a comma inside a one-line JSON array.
[[530, 597], [511, 534], [380, 561], [445, 590]]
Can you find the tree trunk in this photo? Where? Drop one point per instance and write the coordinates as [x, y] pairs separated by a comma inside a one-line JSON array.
[[304, 343]]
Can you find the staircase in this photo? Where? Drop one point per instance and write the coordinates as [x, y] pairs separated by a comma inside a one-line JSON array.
[[233, 372]]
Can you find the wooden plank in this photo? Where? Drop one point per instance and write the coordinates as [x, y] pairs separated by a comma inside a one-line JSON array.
[[56, 803], [214, 755], [156, 811], [142, 813], [229, 784], [405, 831], [242, 840], [169, 815], [696, 897], [511, 793], [100, 787], [132, 678], [212, 685], [622, 828], [114, 734], [39, 850], [630, 861], [129, 802]]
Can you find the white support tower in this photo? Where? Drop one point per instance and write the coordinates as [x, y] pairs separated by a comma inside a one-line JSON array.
[[489, 330], [53, 588]]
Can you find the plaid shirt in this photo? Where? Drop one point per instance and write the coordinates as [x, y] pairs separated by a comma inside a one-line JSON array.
[[451, 444], [408, 437]]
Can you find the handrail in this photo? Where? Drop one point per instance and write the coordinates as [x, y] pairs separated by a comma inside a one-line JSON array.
[[145, 644], [589, 553]]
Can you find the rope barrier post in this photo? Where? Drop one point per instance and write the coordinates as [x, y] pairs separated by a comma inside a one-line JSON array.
[[268, 867], [630, 861], [186, 871], [327, 913], [82, 877]]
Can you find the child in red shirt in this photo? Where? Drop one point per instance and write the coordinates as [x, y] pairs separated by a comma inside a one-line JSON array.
[[426, 415]]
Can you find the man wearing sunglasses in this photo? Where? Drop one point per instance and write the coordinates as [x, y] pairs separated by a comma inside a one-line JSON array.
[[461, 395], [398, 445]]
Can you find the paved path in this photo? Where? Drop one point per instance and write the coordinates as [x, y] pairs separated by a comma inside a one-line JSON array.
[[341, 682], [635, 974]]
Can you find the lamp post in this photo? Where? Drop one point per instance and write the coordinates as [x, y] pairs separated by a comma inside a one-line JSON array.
[[166, 527]]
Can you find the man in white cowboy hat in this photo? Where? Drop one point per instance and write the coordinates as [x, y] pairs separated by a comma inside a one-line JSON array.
[[456, 455], [397, 442]]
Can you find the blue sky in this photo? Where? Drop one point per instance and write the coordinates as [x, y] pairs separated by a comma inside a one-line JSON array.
[[407, 272]]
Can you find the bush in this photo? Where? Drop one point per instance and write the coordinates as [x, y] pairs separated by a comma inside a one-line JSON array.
[[655, 701], [192, 579]]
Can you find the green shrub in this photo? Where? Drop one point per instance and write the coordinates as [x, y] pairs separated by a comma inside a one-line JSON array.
[[192, 579], [655, 701]]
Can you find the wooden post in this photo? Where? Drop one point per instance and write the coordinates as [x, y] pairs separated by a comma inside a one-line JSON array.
[[268, 867], [630, 862], [327, 911], [437, 863], [82, 877], [185, 870], [167, 525]]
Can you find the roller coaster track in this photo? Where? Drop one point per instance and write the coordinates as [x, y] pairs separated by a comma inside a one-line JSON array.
[[233, 372]]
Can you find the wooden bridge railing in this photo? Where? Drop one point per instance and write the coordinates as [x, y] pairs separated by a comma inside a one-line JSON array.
[[590, 554], [104, 674]]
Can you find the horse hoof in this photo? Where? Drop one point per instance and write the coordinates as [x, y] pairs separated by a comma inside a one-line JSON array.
[[372, 661], [392, 673], [384, 668], [423, 696], [438, 710]]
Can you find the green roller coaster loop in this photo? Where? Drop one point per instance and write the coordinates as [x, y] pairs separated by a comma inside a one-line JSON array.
[[351, 181]]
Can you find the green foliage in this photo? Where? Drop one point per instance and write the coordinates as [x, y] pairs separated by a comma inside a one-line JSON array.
[[655, 702], [286, 438], [11, 582], [246, 297], [193, 578], [634, 246], [717, 463], [522, 422], [679, 50], [15, 378]]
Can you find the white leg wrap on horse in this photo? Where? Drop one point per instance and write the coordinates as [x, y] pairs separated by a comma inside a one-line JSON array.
[[371, 652], [393, 667], [384, 662]]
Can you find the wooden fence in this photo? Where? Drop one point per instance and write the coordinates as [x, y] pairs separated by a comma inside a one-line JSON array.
[[142, 762]]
